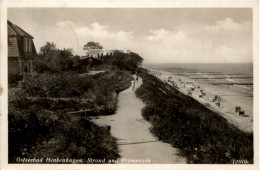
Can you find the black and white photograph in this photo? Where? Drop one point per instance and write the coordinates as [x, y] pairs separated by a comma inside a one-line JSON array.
[[130, 85]]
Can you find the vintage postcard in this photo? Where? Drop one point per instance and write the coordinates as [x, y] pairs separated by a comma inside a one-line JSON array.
[[129, 85]]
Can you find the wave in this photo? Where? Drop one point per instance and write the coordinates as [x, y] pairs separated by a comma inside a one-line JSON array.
[[226, 77], [243, 86], [230, 83]]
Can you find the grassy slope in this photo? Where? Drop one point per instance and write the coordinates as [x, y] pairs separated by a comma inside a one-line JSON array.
[[201, 135], [41, 127]]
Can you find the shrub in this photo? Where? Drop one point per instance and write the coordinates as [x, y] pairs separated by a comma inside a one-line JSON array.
[[26, 127], [87, 140], [128, 62], [13, 78], [54, 60], [56, 85], [41, 66]]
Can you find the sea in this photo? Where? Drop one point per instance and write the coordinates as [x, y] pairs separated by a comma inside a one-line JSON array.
[[235, 76]]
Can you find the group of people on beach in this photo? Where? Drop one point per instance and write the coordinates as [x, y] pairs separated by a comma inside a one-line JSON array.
[[187, 85]]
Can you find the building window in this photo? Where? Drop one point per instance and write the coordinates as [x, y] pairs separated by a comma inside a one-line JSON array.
[[30, 45], [27, 44]]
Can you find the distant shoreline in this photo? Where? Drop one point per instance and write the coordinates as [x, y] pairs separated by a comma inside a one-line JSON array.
[[226, 111]]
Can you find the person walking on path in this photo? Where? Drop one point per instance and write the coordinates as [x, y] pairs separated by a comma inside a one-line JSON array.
[[136, 77], [133, 84]]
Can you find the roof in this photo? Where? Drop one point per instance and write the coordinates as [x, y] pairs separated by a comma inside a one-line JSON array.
[[16, 30]]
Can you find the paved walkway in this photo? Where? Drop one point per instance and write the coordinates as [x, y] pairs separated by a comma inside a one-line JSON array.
[[134, 138]]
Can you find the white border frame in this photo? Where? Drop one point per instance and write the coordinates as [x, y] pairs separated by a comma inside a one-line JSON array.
[[119, 4]]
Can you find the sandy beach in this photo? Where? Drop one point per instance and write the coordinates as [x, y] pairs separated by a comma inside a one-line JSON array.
[[132, 132], [229, 98]]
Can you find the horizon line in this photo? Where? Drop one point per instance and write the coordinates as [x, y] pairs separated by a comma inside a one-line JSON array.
[[200, 63]]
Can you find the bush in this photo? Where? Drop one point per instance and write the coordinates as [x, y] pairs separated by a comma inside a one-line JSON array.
[[87, 140], [14, 78], [128, 62], [101, 88], [25, 128], [41, 66], [30, 123], [56, 85], [54, 60]]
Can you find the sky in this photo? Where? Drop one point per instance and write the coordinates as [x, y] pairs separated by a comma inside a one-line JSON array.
[[159, 35]]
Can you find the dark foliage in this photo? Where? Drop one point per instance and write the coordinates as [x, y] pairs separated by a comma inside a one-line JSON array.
[[92, 45], [26, 127], [87, 140], [54, 60], [42, 120], [123, 61], [56, 85], [14, 78]]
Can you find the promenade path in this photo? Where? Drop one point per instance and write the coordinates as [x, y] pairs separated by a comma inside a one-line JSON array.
[[132, 132]]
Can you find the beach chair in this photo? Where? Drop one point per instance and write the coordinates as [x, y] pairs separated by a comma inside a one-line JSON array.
[[215, 98], [241, 113], [238, 108]]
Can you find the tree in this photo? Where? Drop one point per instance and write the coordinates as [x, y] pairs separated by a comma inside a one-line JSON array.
[[49, 58], [123, 61], [65, 59], [54, 60], [48, 49], [92, 45]]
